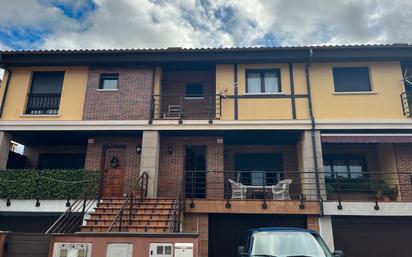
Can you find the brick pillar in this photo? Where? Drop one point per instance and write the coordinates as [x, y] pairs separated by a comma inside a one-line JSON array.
[[403, 156], [306, 164], [5, 145], [215, 165], [198, 223], [150, 159], [313, 222]]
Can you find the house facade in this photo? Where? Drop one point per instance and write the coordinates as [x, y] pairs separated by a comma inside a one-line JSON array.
[[208, 143]]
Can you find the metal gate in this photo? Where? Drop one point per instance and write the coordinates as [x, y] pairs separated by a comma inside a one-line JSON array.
[[228, 231], [27, 244], [373, 236]]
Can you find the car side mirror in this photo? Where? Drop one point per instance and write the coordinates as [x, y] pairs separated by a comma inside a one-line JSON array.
[[338, 253], [241, 251]]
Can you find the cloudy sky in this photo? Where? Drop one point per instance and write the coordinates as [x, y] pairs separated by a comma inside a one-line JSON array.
[[52, 24]]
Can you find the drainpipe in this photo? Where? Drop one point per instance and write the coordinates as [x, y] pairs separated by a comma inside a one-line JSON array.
[[3, 100], [313, 127]]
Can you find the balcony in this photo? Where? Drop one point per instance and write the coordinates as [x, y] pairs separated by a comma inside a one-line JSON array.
[[371, 186], [181, 107], [43, 104], [294, 186]]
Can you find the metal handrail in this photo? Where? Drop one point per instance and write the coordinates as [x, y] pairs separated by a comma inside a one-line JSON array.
[[67, 221], [178, 209], [210, 109], [141, 188]]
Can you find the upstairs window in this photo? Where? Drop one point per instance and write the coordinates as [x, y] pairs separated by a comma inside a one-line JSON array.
[[263, 81], [108, 81], [344, 166], [45, 93], [353, 79], [194, 90]]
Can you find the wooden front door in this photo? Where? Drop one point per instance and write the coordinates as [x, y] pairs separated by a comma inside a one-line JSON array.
[[114, 160]]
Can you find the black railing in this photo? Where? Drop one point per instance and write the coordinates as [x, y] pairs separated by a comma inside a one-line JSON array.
[[180, 107], [250, 185], [406, 101], [73, 217], [43, 104], [175, 219], [295, 185], [124, 217]]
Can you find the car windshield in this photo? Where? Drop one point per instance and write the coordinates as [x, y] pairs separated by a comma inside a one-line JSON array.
[[287, 243]]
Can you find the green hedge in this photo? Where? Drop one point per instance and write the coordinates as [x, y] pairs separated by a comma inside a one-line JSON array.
[[47, 184], [360, 185]]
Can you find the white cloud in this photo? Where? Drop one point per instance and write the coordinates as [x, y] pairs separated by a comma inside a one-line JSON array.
[[214, 23]]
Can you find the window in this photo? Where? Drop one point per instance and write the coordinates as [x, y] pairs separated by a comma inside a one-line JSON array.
[[345, 166], [72, 249], [108, 81], [353, 79], [262, 81], [194, 90], [119, 250], [45, 93]]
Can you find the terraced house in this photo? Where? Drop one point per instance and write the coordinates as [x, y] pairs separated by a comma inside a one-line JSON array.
[[172, 151]]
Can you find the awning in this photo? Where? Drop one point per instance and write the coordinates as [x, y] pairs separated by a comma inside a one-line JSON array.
[[366, 138]]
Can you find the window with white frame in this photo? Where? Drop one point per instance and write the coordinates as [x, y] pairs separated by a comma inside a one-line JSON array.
[[263, 81]]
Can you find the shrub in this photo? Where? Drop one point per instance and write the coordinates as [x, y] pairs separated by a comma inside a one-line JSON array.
[[47, 184]]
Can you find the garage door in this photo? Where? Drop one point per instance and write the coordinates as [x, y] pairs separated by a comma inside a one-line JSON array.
[[373, 236], [227, 231]]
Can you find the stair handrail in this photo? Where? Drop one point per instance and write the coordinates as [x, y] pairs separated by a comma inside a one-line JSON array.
[[138, 192], [67, 222], [178, 209]]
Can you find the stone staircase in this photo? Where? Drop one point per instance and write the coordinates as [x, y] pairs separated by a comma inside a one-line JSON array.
[[151, 215]]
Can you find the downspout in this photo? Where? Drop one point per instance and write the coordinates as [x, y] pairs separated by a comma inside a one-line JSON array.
[[312, 130], [3, 100]]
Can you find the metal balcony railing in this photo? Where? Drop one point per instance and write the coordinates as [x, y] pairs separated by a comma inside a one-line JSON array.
[[43, 104], [181, 107], [406, 101], [264, 185]]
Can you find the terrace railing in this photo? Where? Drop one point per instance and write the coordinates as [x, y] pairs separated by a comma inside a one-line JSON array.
[[181, 107], [125, 215], [258, 185], [43, 103]]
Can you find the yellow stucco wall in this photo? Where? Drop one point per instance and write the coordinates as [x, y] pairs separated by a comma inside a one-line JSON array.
[[387, 163], [261, 108], [72, 98], [382, 103]]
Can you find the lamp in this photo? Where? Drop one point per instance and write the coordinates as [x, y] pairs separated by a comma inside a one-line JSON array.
[[170, 149], [139, 149]]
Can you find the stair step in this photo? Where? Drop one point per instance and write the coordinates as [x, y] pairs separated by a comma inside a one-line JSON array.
[[128, 228], [134, 222]]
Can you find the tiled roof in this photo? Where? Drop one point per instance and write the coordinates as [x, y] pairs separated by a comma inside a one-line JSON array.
[[210, 49]]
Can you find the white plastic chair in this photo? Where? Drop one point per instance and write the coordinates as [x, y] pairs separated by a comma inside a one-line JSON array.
[[280, 191], [238, 190]]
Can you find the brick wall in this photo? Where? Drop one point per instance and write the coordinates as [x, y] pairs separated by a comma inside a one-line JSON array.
[[174, 91], [403, 156], [198, 223], [132, 159], [171, 166], [289, 161], [130, 102]]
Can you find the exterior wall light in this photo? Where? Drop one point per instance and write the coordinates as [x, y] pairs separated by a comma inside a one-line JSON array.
[[170, 149], [139, 149]]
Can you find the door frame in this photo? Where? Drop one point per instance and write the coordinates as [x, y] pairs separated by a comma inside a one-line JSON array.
[[206, 162], [103, 160]]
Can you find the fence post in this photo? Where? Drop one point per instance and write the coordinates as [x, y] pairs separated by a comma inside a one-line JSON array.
[[264, 205]]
